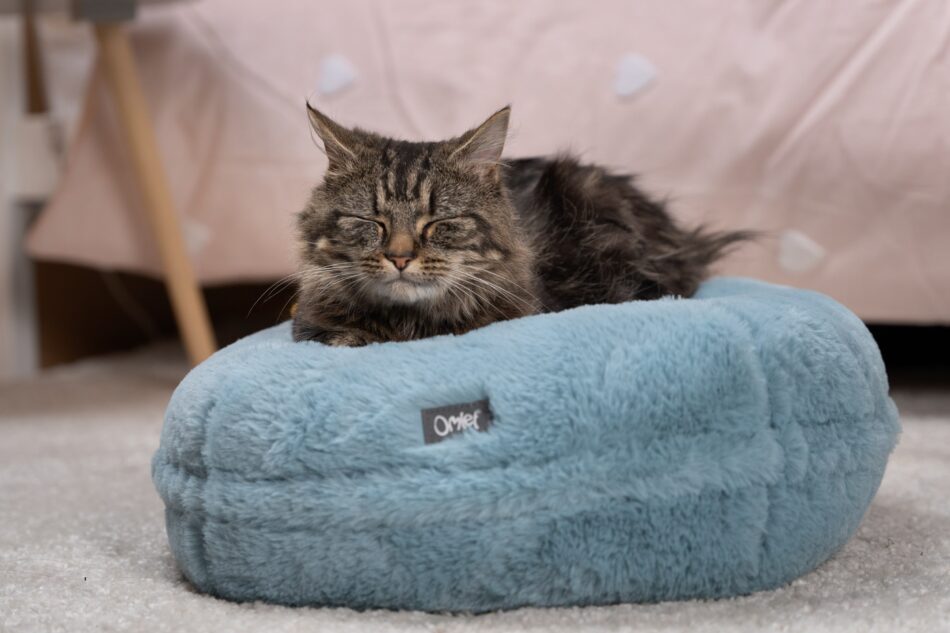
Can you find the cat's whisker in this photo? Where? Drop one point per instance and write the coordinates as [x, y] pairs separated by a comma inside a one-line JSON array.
[[321, 272], [473, 289], [500, 290], [283, 308], [273, 289], [339, 281], [335, 278], [478, 297], [519, 287], [474, 293], [463, 297], [300, 276], [318, 271]]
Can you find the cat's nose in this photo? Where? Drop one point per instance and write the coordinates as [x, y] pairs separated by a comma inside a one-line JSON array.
[[400, 261]]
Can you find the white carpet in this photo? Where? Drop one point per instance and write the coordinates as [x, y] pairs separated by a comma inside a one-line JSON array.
[[82, 543]]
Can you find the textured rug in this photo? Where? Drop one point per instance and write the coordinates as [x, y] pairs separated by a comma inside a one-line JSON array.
[[82, 543]]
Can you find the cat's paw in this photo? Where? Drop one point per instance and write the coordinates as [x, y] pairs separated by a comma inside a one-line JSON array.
[[347, 339], [304, 331]]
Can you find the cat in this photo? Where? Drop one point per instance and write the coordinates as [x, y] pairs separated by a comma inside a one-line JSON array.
[[406, 240]]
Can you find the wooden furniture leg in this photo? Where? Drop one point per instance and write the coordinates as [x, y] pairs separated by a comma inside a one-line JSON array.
[[191, 313]]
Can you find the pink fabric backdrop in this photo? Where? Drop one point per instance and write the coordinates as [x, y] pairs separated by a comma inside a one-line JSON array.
[[827, 124]]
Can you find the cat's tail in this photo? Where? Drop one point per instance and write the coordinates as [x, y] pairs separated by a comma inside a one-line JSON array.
[[686, 258], [701, 247]]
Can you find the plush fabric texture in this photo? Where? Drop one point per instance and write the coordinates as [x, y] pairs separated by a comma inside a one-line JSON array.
[[647, 451]]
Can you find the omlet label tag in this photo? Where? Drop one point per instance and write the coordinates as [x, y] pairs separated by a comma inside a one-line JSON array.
[[443, 422]]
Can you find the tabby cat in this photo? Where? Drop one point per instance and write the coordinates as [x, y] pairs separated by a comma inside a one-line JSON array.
[[406, 240]]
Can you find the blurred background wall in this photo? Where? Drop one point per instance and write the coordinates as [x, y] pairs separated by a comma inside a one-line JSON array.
[[823, 125]]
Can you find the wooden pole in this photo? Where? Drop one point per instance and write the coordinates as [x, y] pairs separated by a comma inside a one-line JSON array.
[[187, 301], [32, 63]]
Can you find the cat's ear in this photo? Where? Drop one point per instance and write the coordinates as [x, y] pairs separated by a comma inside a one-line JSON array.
[[483, 145], [339, 143]]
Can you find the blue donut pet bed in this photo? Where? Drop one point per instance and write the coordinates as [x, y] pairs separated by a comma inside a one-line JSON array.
[[661, 450]]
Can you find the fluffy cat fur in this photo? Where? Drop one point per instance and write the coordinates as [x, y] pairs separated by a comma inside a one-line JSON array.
[[405, 240]]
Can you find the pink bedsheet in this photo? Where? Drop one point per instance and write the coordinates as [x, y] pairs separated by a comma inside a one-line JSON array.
[[826, 124]]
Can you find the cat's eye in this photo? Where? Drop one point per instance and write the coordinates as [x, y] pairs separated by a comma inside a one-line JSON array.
[[429, 227], [360, 218]]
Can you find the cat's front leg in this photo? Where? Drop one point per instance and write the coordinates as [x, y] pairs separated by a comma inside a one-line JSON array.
[[342, 337]]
